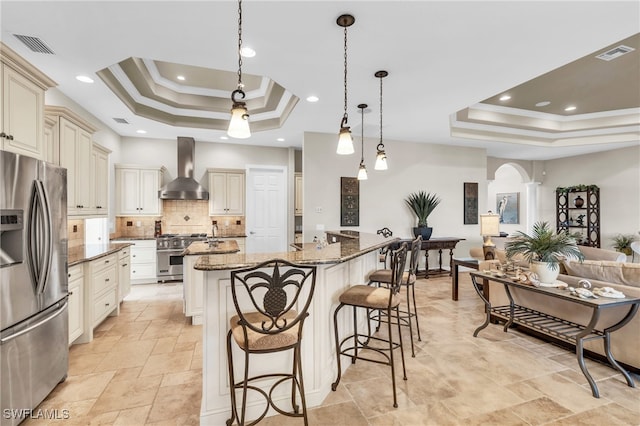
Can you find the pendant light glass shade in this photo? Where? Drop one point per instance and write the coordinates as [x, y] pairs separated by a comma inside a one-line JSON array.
[[381, 155], [345, 141], [362, 172], [239, 123], [381, 159]]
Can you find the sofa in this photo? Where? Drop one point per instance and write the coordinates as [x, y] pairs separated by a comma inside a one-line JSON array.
[[602, 268]]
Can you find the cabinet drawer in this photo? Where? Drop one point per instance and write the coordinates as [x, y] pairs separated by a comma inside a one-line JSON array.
[[75, 272], [103, 263], [143, 256], [104, 279], [123, 253], [103, 305], [143, 271]]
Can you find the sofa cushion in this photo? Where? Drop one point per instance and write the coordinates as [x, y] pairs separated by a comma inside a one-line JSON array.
[[602, 270], [594, 253]]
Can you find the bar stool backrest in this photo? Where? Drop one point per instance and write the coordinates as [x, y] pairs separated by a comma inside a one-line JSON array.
[[277, 289], [398, 262], [416, 246]]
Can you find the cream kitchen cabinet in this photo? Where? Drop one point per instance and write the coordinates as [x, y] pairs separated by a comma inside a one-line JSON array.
[[226, 192], [74, 137], [193, 288], [298, 194], [143, 261], [137, 190], [124, 273], [100, 293], [22, 105], [99, 196], [76, 302]]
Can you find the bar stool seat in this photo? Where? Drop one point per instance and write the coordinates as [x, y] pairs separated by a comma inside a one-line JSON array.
[[366, 296], [261, 342]]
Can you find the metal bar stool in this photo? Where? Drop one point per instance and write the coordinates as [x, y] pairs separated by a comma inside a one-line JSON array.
[[368, 297], [383, 276], [274, 290]]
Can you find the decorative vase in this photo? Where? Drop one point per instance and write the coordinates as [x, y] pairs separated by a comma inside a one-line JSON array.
[[578, 201], [425, 231], [545, 274]]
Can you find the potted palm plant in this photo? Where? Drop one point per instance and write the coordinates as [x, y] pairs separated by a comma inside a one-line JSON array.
[[422, 205], [544, 250], [622, 243]]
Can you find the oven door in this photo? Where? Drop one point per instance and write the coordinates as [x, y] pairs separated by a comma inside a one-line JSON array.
[[170, 264]]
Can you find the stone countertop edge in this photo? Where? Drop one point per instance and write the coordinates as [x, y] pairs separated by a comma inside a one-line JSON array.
[[88, 252], [202, 248], [330, 254]]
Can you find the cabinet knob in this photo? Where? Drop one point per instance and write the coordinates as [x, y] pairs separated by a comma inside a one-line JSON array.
[[124, 265], [3, 135], [10, 137], [106, 304], [70, 293], [106, 280]]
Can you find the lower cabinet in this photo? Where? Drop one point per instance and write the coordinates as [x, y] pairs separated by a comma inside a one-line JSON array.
[[124, 273], [193, 287], [143, 261], [76, 302], [100, 295]]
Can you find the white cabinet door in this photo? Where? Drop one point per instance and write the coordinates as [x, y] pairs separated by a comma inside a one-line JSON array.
[[150, 182], [83, 173], [99, 196], [128, 191], [298, 194], [69, 153], [22, 114], [226, 193], [76, 303], [193, 290], [124, 273], [217, 194], [235, 194]]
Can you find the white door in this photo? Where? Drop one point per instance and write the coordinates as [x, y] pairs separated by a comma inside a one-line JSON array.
[[266, 210]]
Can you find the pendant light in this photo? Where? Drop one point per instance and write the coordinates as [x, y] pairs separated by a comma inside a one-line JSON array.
[[345, 142], [239, 124], [381, 156], [362, 171]]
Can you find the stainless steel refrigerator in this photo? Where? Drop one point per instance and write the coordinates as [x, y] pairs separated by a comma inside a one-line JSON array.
[[34, 320]]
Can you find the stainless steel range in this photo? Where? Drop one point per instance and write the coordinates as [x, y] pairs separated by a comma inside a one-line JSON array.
[[169, 248]]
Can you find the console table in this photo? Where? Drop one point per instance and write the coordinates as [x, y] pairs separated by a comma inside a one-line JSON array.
[[468, 262], [559, 328], [439, 244]]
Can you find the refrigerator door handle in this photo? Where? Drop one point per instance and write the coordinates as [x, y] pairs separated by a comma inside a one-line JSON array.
[[57, 312], [39, 239]]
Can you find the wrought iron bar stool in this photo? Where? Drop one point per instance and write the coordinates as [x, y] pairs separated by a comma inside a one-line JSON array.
[[279, 294], [384, 251], [369, 297], [383, 276]]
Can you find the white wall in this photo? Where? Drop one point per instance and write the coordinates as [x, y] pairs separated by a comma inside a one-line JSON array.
[[616, 172], [437, 169], [508, 179]]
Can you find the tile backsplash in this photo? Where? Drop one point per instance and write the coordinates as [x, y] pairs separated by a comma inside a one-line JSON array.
[[75, 232], [179, 217]]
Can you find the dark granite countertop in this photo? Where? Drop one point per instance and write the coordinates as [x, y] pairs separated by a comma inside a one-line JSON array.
[[310, 254], [88, 252], [203, 248]]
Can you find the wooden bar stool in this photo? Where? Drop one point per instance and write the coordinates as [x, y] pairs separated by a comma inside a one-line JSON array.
[[383, 276], [383, 299], [274, 290]]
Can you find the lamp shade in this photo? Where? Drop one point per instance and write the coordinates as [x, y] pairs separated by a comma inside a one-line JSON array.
[[239, 124], [381, 161], [345, 142], [489, 224], [362, 172]]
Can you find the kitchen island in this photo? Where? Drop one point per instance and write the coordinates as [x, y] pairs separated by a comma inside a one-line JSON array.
[[339, 266]]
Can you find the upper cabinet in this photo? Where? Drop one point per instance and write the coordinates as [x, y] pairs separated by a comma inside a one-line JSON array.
[[22, 105], [226, 192], [137, 190], [298, 194], [99, 197], [74, 137]]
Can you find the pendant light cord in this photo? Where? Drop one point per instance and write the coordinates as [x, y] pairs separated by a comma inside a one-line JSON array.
[[362, 136], [240, 85], [381, 111], [345, 116]]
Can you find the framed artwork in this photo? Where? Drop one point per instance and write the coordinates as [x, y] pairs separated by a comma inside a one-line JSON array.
[[471, 203], [349, 201], [508, 207]]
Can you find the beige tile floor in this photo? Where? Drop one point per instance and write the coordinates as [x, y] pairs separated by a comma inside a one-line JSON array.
[[144, 367]]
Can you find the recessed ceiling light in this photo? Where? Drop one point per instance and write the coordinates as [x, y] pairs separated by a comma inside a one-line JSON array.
[[247, 52], [181, 77], [505, 97], [142, 132], [280, 139], [570, 108], [313, 98], [84, 79], [224, 138], [543, 103]]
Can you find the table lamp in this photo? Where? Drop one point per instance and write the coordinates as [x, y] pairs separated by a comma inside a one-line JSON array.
[[489, 225]]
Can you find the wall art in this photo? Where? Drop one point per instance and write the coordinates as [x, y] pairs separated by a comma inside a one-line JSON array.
[[349, 201]]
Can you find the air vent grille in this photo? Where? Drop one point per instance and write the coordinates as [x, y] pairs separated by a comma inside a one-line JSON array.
[[616, 52], [35, 44], [120, 120]]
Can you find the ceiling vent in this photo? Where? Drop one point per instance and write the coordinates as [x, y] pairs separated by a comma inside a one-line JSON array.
[[616, 52], [120, 120], [34, 43]]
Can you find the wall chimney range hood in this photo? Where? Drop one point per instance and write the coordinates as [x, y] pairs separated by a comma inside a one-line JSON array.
[[184, 187]]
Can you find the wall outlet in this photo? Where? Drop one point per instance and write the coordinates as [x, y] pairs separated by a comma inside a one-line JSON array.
[[138, 223], [319, 209], [129, 223], [238, 222], [75, 228]]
